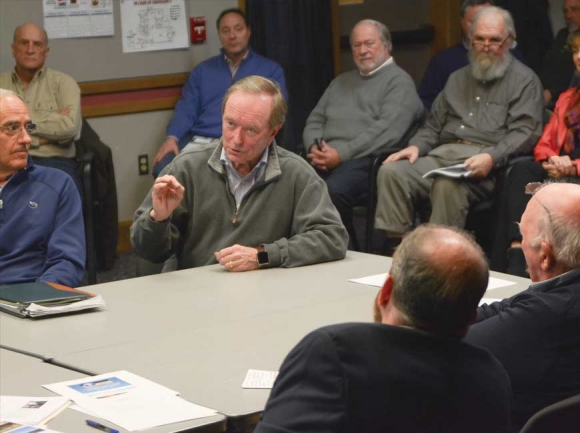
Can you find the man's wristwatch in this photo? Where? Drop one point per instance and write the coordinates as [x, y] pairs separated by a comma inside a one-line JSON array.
[[263, 259]]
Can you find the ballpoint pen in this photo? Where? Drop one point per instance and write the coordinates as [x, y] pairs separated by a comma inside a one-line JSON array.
[[101, 427], [318, 142]]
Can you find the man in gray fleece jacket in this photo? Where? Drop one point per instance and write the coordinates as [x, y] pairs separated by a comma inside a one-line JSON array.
[[362, 113], [244, 203]]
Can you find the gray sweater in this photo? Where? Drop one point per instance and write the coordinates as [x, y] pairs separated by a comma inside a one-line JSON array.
[[363, 115], [289, 212]]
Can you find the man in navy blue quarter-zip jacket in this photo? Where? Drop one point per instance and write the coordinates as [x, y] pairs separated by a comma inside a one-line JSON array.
[[41, 224]]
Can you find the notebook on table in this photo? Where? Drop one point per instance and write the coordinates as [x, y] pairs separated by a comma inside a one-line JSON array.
[[36, 299]]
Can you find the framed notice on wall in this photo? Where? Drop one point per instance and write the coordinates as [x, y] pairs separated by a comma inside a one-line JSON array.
[[78, 18], [153, 25]]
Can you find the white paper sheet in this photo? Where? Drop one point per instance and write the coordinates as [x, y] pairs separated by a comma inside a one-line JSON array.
[[14, 427], [36, 310], [31, 410], [379, 279], [153, 25], [259, 379], [488, 301], [78, 18], [130, 401]]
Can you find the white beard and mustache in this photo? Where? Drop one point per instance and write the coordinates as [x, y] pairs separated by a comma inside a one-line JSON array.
[[486, 66]]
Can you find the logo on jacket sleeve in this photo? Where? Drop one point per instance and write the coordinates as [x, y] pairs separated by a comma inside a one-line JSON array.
[[32, 204]]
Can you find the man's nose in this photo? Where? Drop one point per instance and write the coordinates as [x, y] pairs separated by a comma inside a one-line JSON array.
[[237, 136], [24, 137]]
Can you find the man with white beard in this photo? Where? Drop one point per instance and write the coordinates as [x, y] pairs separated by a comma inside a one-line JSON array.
[[488, 111]]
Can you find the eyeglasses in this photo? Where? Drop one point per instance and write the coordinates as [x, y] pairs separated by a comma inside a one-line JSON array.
[[15, 128], [534, 187], [479, 42]]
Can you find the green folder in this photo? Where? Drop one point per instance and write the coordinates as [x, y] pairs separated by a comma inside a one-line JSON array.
[[15, 298]]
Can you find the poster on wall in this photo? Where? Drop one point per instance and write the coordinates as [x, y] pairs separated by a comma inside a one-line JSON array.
[[153, 25], [78, 18]]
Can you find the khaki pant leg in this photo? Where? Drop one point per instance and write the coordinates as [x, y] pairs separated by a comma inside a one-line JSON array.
[[400, 186], [451, 199]]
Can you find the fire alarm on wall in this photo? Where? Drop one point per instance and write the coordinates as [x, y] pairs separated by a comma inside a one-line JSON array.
[[197, 29]]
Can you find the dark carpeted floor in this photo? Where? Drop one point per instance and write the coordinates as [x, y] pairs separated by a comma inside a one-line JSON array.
[[124, 267]]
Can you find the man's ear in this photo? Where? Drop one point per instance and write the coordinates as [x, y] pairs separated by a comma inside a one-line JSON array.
[[547, 257], [275, 130], [385, 293]]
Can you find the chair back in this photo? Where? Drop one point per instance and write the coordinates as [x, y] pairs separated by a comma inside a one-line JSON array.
[[561, 417]]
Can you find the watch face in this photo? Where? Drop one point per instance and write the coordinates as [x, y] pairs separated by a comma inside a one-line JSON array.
[[263, 258]]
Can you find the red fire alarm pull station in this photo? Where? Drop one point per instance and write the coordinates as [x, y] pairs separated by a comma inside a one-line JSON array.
[[197, 29]]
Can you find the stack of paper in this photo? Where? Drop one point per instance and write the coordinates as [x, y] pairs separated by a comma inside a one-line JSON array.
[[40, 299], [30, 410], [130, 401]]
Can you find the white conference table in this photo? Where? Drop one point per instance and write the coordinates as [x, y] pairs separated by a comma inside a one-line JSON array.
[[177, 303], [198, 331], [22, 375]]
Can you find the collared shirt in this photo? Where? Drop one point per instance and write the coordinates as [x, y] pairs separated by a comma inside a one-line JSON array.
[[234, 68], [557, 280], [239, 185], [373, 72], [504, 114], [48, 93]]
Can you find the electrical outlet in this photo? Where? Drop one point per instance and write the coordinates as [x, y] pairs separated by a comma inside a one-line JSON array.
[[143, 164]]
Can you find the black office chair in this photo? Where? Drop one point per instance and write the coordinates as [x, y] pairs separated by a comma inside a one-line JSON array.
[[86, 163], [560, 417]]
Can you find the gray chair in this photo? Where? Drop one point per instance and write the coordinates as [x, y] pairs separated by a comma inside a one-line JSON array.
[[560, 417]]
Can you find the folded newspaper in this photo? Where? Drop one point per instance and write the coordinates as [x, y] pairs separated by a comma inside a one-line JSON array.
[[455, 171]]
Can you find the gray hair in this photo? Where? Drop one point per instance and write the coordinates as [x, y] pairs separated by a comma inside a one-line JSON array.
[[507, 20], [5, 93], [432, 294], [257, 85], [562, 232], [17, 29], [384, 33], [470, 3]]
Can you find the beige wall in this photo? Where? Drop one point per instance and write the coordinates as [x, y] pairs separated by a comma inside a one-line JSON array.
[[556, 15], [127, 135]]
